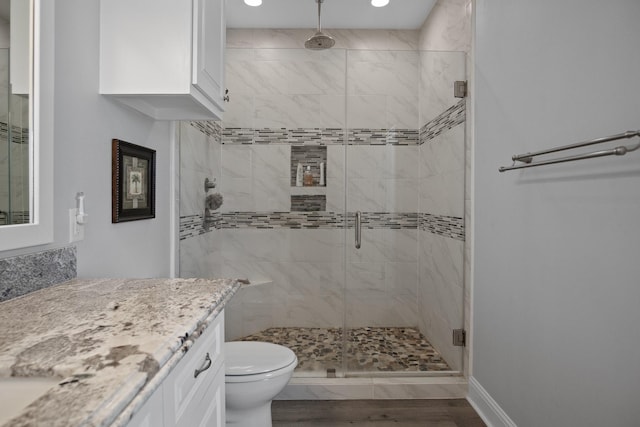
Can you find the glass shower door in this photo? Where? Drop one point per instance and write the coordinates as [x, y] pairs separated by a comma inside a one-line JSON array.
[[390, 137], [286, 109], [404, 179]]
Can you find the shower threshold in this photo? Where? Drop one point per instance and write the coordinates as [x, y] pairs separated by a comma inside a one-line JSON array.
[[436, 387]]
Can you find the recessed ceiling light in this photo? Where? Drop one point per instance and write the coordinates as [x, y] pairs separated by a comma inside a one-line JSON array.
[[255, 2], [379, 3]]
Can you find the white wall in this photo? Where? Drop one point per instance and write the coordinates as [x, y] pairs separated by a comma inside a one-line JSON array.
[[85, 123], [556, 341]]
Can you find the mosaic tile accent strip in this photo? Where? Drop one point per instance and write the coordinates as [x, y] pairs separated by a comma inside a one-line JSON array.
[[320, 136], [210, 128], [390, 220], [270, 136], [308, 156], [308, 203], [191, 226], [450, 118], [447, 226], [17, 217], [383, 137], [23, 274], [237, 136], [292, 220], [324, 220], [368, 349], [19, 135]]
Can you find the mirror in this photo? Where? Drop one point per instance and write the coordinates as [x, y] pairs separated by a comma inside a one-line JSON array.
[[15, 152], [26, 122]]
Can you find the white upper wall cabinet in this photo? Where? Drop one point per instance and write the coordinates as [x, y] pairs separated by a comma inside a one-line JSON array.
[[164, 58]]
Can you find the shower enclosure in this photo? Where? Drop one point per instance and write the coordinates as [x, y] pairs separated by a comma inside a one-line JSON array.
[[388, 133]]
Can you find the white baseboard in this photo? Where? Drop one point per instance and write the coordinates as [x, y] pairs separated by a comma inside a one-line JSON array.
[[488, 409]]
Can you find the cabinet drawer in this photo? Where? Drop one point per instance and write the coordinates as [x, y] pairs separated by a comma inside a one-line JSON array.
[[182, 390]]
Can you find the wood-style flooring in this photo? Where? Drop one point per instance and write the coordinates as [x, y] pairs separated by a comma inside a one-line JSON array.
[[375, 413]]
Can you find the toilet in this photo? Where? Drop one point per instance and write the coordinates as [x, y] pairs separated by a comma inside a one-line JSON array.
[[255, 372]]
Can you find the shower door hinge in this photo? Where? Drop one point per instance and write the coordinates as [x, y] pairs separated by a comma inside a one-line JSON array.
[[459, 337], [460, 89]]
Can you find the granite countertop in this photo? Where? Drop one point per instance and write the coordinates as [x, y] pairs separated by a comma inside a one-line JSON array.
[[110, 342]]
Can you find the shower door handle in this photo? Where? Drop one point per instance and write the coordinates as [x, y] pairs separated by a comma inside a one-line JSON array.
[[358, 229]]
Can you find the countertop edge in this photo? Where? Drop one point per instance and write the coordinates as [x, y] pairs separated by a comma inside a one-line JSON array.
[[138, 401]]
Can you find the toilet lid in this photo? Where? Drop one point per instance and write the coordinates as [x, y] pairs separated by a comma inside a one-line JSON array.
[[252, 357]]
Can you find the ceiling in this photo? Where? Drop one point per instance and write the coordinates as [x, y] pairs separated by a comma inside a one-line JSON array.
[[353, 14]]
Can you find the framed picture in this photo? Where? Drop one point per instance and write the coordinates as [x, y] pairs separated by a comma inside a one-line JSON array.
[[133, 185]]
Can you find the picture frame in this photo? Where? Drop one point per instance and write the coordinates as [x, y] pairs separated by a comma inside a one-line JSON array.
[[133, 182]]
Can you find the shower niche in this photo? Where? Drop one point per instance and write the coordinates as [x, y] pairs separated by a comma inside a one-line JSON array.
[[305, 197]]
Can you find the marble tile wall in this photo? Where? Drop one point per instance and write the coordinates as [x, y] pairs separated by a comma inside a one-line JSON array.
[[307, 271], [382, 89], [441, 292], [345, 38], [442, 202], [23, 274], [285, 88], [438, 72], [299, 257], [200, 158], [448, 27], [256, 178]]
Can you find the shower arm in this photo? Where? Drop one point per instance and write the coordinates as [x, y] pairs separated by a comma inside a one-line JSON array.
[[319, 22]]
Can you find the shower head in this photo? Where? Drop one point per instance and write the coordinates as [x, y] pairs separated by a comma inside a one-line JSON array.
[[319, 40]]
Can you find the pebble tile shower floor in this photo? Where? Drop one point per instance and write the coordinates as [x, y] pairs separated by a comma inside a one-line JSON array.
[[369, 349]]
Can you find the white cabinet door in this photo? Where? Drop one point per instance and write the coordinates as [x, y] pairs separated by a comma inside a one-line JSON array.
[[164, 58], [209, 38], [145, 47]]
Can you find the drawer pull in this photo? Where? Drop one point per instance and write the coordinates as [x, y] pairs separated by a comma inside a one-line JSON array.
[[206, 365]]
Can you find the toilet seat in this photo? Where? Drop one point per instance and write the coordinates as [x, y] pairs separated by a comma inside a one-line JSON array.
[[256, 359]]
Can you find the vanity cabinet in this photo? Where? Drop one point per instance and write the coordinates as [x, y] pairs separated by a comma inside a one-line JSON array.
[[150, 415], [184, 399], [164, 58]]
